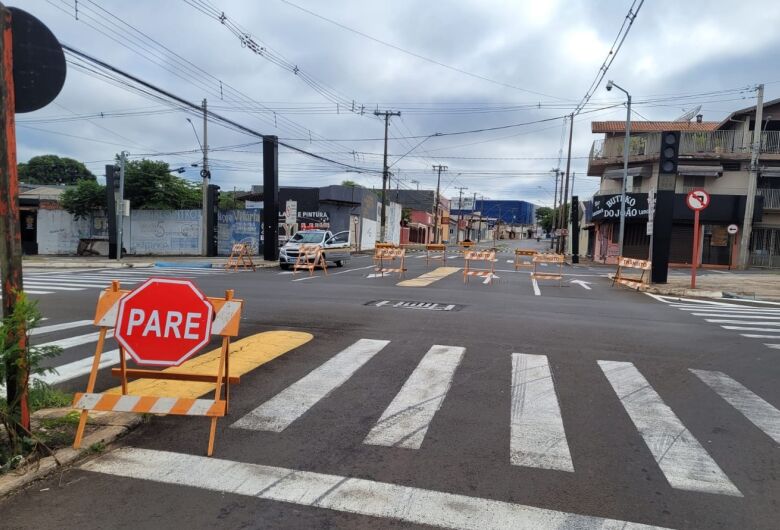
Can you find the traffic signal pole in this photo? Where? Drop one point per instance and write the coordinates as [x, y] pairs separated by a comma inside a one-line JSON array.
[[17, 371]]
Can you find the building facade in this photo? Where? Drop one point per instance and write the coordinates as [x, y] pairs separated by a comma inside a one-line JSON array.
[[714, 156]]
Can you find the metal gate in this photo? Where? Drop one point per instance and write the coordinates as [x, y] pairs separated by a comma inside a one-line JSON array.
[[765, 248]]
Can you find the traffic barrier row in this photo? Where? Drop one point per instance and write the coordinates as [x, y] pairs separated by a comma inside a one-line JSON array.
[[633, 282], [162, 323]]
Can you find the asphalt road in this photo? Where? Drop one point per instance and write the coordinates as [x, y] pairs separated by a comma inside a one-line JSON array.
[[560, 407]]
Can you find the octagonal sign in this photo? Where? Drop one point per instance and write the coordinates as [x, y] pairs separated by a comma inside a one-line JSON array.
[[164, 322]]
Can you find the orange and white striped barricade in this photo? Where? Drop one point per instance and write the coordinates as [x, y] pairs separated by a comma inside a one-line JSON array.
[[546, 260], [389, 261], [488, 257], [309, 258], [524, 258], [225, 323], [436, 252], [240, 256], [633, 282]]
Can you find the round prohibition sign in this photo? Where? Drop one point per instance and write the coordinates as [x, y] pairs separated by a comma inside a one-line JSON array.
[[697, 200]]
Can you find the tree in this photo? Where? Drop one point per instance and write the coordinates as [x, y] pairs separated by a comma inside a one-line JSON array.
[[228, 200], [52, 169], [544, 216], [83, 198], [149, 185], [350, 184]]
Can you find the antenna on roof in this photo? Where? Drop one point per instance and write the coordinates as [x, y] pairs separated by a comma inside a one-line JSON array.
[[688, 116]]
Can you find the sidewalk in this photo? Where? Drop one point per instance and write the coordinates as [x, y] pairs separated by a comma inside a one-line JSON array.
[[136, 262], [750, 285]]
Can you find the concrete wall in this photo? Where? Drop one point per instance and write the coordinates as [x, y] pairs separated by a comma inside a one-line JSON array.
[[238, 226], [163, 232], [369, 233], [59, 232]]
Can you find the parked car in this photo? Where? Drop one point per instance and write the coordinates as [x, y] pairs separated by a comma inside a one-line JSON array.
[[335, 246]]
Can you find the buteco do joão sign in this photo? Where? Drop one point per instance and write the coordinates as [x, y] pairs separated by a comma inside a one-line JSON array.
[[164, 322]]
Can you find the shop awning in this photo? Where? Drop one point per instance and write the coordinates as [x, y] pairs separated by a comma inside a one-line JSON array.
[[713, 170], [770, 171], [640, 171]]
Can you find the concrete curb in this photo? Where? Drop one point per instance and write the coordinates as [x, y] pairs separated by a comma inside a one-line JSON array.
[[10, 483], [682, 291], [84, 265]]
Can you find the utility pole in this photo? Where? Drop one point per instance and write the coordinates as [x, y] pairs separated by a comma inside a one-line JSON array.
[[436, 229], [555, 210], [564, 224], [120, 207], [17, 371], [473, 209], [382, 226], [460, 212], [416, 182], [479, 231], [206, 175], [750, 198]]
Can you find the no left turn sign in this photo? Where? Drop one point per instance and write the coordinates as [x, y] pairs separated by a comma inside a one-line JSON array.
[[697, 200]]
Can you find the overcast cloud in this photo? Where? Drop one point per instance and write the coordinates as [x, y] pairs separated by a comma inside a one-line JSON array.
[[545, 47]]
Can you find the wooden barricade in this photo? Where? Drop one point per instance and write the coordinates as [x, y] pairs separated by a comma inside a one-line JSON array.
[[488, 271], [520, 254], [227, 316], [309, 258], [633, 282], [390, 260], [240, 256], [436, 252], [548, 259]]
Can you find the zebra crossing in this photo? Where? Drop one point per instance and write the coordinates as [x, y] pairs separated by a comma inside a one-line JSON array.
[[751, 321], [537, 430], [47, 282]]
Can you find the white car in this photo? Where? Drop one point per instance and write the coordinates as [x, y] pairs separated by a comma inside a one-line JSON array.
[[335, 246]]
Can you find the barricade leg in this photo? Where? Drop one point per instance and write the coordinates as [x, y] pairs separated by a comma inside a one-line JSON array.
[[90, 385], [123, 369], [218, 393]]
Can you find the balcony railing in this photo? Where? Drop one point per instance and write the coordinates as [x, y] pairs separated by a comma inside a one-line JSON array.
[[771, 198], [691, 143]]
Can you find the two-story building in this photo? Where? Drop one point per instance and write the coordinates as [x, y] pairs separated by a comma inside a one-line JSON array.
[[714, 156]]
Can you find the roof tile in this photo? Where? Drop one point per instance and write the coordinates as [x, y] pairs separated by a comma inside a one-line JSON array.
[[652, 126]]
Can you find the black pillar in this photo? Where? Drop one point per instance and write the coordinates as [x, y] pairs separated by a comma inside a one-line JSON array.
[[112, 183], [662, 235], [212, 210], [270, 198], [575, 229]]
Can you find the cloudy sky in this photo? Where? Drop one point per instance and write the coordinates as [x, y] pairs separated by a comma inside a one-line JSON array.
[[448, 66]]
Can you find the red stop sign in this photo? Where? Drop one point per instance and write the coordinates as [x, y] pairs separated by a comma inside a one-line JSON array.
[[164, 322]]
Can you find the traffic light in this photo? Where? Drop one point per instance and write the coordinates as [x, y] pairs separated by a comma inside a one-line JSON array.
[[670, 149]]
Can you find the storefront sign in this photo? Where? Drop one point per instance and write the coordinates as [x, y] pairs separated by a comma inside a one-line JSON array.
[[606, 207]]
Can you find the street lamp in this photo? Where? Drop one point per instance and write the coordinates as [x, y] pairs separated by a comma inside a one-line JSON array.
[[611, 84]]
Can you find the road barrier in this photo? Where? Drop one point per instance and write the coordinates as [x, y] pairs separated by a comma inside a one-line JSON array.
[[390, 260], [436, 252], [488, 257], [240, 256], [546, 260], [632, 282], [168, 328], [309, 258], [524, 253]]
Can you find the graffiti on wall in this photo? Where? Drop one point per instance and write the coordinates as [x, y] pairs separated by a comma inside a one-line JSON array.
[[239, 226], [165, 232]]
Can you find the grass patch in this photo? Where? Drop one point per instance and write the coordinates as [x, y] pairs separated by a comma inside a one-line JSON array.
[[97, 447], [45, 396]]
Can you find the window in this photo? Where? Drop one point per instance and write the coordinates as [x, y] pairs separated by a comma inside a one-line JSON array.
[[692, 182], [637, 184]]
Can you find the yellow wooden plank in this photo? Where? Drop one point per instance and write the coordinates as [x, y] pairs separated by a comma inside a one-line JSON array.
[[245, 355], [429, 277]]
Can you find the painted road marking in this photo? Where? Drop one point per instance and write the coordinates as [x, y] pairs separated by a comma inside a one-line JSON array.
[[748, 323], [245, 355], [72, 370], [773, 346], [59, 327], [731, 315], [429, 277], [748, 328], [280, 411], [340, 493], [684, 462], [537, 435], [53, 287], [405, 421], [406, 304], [757, 336], [78, 340], [754, 408], [537, 292]]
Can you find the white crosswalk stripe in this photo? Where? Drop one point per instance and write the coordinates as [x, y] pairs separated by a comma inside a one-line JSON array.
[[758, 317], [682, 459], [405, 422]]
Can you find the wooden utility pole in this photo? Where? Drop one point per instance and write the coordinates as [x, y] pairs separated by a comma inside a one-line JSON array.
[[205, 176], [17, 374], [383, 224], [564, 223], [436, 229], [460, 212], [554, 225]]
